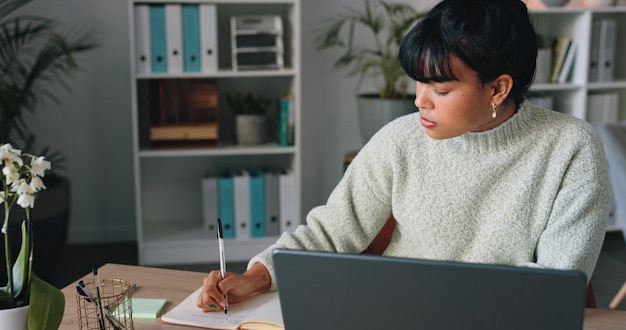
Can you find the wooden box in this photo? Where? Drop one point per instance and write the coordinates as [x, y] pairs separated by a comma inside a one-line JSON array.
[[186, 111]]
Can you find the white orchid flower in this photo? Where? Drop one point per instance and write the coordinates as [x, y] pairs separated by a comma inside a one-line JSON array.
[[10, 155], [11, 173], [36, 184], [26, 200], [39, 165]]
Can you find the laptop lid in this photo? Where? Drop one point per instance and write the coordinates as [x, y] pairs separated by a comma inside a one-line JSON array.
[[321, 290]]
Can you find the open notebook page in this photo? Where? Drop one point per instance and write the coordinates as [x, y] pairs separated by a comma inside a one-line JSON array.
[[261, 311]]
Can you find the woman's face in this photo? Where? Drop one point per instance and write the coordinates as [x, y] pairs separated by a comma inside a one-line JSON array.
[[452, 108]]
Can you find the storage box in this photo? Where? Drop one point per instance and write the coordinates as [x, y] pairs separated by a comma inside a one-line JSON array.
[[186, 111], [257, 42]]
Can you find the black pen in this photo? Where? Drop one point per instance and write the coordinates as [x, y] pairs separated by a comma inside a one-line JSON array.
[[220, 243], [96, 280]]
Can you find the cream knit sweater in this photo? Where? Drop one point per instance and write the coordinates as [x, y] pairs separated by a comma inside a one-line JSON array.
[[531, 192]]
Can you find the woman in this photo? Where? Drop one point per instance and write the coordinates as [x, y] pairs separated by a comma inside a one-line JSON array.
[[476, 176]]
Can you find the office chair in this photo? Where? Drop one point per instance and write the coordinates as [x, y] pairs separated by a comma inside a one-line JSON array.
[[614, 138]]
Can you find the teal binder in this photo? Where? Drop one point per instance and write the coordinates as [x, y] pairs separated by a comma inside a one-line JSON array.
[[191, 38], [158, 42], [226, 192], [257, 205]]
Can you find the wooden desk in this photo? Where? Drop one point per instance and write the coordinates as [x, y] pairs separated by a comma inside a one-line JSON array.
[[176, 285]]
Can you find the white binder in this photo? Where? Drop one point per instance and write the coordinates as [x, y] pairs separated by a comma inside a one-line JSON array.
[[242, 205], [606, 56], [174, 37], [142, 38], [210, 209], [286, 189], [208, 37]]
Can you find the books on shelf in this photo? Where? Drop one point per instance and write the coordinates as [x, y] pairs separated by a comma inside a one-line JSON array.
[[562, 46], [565, 75], [175, 37], [286, 120], [250, 204], [183, 110], [602, 52]]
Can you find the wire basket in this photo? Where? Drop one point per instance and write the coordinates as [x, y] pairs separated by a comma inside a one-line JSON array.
[[117, 310]]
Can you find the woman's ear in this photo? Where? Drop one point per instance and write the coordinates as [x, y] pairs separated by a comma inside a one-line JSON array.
[[501, 88]]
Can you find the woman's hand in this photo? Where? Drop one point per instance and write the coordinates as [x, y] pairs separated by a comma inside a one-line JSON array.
[[237, 287]]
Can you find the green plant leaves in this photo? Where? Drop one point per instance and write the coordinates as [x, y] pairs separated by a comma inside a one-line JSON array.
[[47, 304], [20, 269]]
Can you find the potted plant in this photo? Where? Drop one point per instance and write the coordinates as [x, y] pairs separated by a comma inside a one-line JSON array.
[[21, 180], [250, 117], [33, 54], [387, 23]]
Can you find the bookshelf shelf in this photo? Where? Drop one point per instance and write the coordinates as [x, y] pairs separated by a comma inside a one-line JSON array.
[[169, 175], [579, 94]]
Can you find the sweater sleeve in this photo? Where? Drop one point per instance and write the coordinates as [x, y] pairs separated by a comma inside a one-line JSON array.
[[354, 213], [575, 230]]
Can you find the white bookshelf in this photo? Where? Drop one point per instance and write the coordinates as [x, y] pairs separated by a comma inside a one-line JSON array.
[[168, 180], [576, 23]]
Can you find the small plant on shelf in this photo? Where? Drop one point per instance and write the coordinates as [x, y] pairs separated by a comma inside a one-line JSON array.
[[247, 104], [250, 110]]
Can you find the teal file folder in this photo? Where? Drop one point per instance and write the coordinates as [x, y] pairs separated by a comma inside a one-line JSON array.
[[227, 205], [158, 44], [191, 38], [257, 205]]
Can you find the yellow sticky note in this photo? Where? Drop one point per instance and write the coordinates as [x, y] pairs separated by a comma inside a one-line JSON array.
[[147, 308]]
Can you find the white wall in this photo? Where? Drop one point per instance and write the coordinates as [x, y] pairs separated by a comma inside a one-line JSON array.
[[93, 130]]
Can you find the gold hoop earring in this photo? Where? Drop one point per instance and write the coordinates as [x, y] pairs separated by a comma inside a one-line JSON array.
[[493, 107]]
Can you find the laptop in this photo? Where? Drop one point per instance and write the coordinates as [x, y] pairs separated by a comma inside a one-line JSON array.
[[322, 290]]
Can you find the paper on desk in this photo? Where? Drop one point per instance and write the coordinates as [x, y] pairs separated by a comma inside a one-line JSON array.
[[261, 311], [147, 307]]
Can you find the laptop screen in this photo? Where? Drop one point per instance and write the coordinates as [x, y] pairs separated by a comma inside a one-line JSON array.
[[321, 290]]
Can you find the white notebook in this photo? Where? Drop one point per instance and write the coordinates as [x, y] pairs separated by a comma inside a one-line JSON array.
[[261, 311]]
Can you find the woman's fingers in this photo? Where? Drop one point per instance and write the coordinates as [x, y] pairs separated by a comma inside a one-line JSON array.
[[210, 298]]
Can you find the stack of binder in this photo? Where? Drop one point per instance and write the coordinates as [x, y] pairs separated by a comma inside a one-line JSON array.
[[602, 56], [175, 38], [257, 42], [250, 204]]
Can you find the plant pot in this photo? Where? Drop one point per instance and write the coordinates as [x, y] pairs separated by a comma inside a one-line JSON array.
[[251, 129], [50, 221], [14, 318], [374, 112]]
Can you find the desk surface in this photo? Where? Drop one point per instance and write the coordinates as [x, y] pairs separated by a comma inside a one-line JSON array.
[[176, 285]]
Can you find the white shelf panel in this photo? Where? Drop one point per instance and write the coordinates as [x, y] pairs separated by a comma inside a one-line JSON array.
[[200, 252], [176, 243], [233, 150], [556, 87], [621, 84], [287, 72], [228, 2]]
